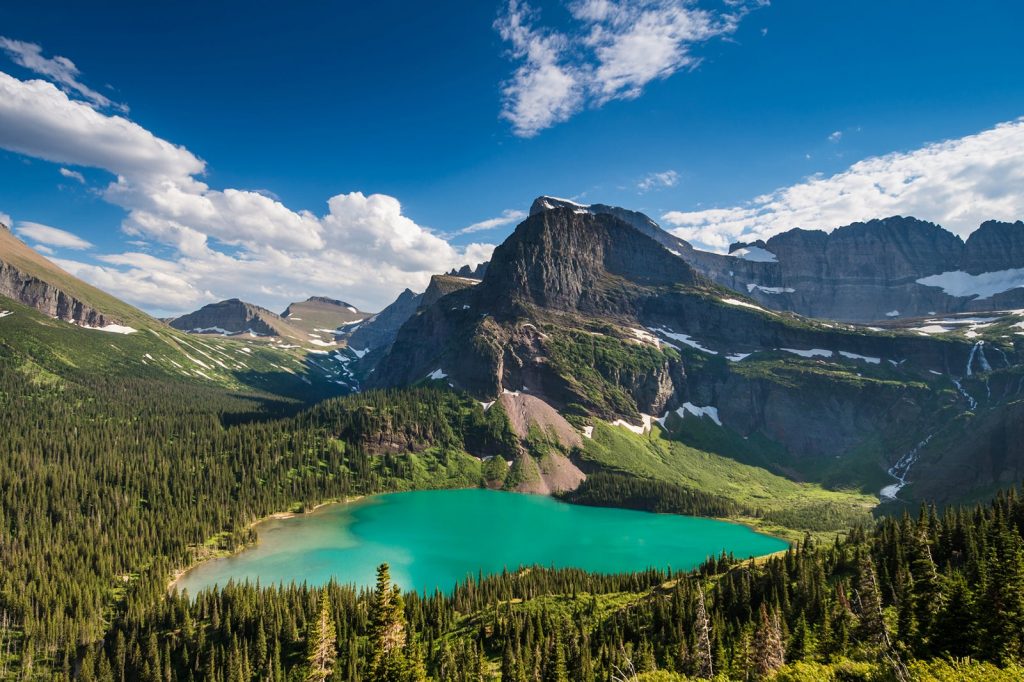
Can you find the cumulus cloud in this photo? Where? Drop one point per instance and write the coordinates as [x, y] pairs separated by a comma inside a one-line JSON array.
[[217, 243], [612, 51], [51, 236], [58, 69], [835, 136], [660, 180], [73, 175], [507, 217], [956, 183]]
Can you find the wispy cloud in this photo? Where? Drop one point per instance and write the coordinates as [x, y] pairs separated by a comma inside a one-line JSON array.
[[507, 217], [835, 136], [660, 180], [60, 70], [52, 236], [957, 183], [73, 175], [612, 51]]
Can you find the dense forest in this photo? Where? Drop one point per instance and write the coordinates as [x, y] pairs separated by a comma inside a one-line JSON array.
[[109, 483], [913, 598]]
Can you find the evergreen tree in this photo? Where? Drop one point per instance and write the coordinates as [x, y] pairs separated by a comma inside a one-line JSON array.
[[321, 647]]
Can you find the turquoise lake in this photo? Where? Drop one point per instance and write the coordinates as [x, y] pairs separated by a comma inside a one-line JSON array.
[[434, 539]]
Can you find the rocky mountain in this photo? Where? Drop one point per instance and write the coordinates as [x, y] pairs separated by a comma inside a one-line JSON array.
[[31, 279], [378, 332], [601, 322], [236, 317], [321, 316], [892, 268]]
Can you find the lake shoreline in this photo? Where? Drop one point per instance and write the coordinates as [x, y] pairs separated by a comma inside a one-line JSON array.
[[175, 583], [180, 573]]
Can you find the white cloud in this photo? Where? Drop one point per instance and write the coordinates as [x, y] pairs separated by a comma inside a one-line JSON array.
[[660, 180], [835, 136], [614, 49], [507, 217], [45, 250], [58, 69], [51, 236], [74, 175], [5, 219], [220, 242], [957, 183]]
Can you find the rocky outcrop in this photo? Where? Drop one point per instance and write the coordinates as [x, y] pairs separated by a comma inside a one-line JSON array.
[[48, 299], [442, 285], [234, 317]]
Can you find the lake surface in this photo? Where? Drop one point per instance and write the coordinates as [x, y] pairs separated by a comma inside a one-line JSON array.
[[434, 539]]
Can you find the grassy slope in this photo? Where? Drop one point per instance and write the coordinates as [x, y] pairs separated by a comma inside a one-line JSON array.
[[45, 345], [780, 506]]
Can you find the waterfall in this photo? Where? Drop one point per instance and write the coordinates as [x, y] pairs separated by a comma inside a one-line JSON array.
[[901, 468]]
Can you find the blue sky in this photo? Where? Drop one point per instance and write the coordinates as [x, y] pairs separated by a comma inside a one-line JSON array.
[[232, 124]]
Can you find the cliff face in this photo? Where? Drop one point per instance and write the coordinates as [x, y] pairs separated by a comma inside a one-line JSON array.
[[861, 272], [48, 299]]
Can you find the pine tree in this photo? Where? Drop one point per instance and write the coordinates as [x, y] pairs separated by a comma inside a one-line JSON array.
[[769, 651], [321, 647], [388, 635], [703, 657]]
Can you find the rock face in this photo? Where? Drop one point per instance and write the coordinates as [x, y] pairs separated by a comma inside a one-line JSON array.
[[48, 299], [235, 317], [993, 247]]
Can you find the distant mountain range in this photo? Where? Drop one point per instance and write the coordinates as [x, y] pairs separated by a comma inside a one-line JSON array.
[[883, 269], [592, 320]]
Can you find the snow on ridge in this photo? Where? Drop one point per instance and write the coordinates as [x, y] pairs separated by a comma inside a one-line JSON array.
[[985, 285], [769, 290], [755, 254], [866, 358], [736, 301]]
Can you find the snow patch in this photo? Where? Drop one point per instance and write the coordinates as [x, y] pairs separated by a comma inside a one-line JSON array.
[[437, 374], [811, 353], [486, 405], [113, 329], [866, 358], [5, 313], [639, 430], [588, 431], [682, 338], [960, 283], [893, 313], [699, 411], [736, 301], [318, 342], [931, 329], [645, 336], [737, 357], [769, 290]]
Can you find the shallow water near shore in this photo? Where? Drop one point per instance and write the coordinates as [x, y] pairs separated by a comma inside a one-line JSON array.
[[434, 539]]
